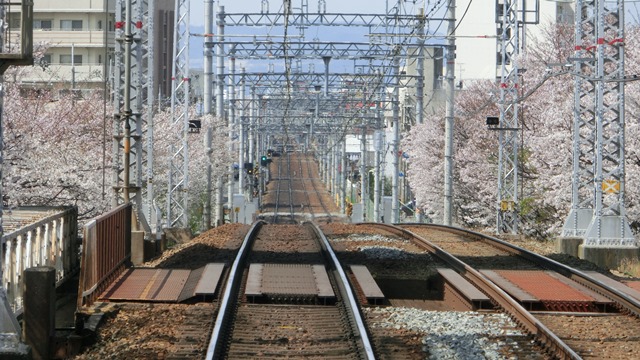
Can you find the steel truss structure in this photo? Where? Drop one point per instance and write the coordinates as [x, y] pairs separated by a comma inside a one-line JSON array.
[[609, 226], [392, 39], [268, 50], [584, 122], [178, 197], [508, 45], [131, 92], [305, 19], [308, 80], [598, 178]]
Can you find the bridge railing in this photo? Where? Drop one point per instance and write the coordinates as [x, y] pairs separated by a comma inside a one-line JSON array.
[[106, 250], [50, 241]]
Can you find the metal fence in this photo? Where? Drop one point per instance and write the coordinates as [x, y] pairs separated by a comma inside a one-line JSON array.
[[46, 241], [106, 249]]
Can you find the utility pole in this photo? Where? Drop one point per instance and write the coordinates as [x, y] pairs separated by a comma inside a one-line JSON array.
[[233, 130], [364, 175], [130, 78], [220, 109], [208, 100], [395, 209], [449, 119]]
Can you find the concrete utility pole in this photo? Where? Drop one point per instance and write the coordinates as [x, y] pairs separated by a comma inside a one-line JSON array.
[[364, 175], [343, 175], [449, 118], [241, 136], [395, 142], [126, 112], [378, 145], [208, 56], [234, 130], [208, 100], [220, 109]]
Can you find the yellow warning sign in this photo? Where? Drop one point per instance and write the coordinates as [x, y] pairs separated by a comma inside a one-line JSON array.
[[507, 205], [611, 186], [236, 209]]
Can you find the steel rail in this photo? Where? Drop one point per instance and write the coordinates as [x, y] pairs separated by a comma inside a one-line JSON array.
[[291, 211], [350, 300], [627, 302], [229, 298], [315, 188], [547, 338], [304, 189], [277, 200]]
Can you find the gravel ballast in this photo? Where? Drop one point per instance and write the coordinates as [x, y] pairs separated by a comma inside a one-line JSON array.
[[452, 334]]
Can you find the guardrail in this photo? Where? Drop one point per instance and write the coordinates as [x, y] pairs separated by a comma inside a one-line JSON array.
[[106, 250], [50, 241]]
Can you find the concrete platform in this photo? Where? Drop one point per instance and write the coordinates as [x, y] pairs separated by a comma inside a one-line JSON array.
[[603, 256], [607, 257], [568, 245]]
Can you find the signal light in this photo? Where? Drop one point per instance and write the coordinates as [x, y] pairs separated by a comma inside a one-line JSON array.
[[264, 161]]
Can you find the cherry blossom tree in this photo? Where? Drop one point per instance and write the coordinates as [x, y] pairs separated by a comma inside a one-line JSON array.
[[545, 156], [53, 151], [58, 152], [165, 137]]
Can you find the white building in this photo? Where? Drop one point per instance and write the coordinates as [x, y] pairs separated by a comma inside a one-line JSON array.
[[74, 42], [476, 34]]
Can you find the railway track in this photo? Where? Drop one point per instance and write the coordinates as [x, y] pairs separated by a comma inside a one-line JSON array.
[[421, 315], [573, 313], [277, 217], [270, 303], [281, 320], [287, 297], [292, 199], [325, 215]]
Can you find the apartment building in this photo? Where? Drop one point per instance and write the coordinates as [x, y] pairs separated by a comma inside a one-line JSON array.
[[74, 42], [476, 41]]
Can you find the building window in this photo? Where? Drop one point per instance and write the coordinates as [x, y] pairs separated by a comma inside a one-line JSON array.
[[42, 24], [99, 58], [99, 24], [46, 59], [14, 21], [71, 25], [66, 59]]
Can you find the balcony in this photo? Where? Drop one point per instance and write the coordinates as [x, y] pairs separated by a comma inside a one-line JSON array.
[[77, 5], [64, 38], [86, 75]]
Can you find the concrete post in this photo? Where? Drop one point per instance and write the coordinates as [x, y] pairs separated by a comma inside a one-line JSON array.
[[40, 310]]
